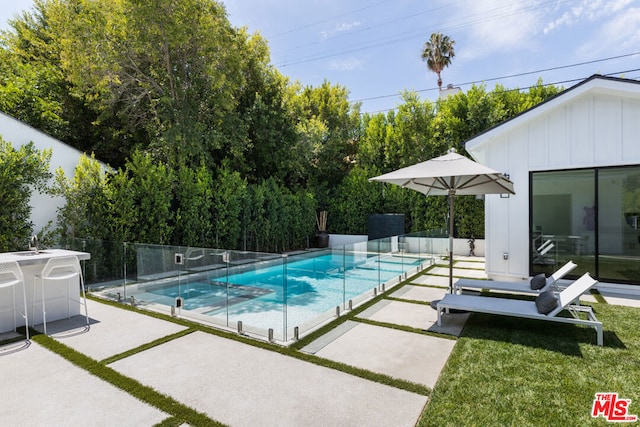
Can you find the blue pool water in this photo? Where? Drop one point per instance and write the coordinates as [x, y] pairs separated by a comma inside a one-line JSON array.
[[301, 289]]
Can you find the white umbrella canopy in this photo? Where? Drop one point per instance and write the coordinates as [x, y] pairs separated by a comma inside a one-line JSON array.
[[450, 175]]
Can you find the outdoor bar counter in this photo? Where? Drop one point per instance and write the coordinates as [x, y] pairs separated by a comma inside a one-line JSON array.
[[57, 303]]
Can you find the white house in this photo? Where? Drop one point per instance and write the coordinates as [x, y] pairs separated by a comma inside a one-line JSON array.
[[19, 133], [575, 163]]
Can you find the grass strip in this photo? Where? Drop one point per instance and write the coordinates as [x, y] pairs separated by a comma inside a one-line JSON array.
[[147, 346], [404, 328], [410, 301], [170, 422], [426, 285], [144, 393]]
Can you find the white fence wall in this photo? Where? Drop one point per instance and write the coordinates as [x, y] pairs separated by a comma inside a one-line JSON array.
[[433, 245], [62, 156], [346, 239]]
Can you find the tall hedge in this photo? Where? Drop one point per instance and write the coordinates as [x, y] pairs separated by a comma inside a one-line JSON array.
[[20, 170], [149, 202]]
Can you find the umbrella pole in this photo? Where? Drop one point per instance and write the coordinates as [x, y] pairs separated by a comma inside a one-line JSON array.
[[451, 202]]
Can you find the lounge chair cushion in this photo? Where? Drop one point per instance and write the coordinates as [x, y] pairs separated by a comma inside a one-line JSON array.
[[538, 281], [546, 302]]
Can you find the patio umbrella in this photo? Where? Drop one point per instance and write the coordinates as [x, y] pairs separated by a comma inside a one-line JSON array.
[[449, 175]]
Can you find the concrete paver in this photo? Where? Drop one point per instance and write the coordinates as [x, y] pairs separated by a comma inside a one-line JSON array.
[[401, 313], [419, 293], [440, 281], [618, 298], [406, 355], [242, 385], [472, 265], [41, 388], [418, 316], [458, 272], [112, 331]]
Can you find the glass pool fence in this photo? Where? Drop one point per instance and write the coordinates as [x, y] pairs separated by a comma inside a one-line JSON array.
[[279, 297]]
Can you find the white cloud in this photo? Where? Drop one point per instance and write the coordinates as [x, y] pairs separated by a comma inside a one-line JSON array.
[[590, 10], [339, 28], [566, 19], [619, 34], [348, 64], [497, 26]]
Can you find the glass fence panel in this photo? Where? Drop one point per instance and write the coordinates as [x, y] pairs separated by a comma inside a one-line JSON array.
[[418, 248], [198, 292], [152, 276], [154, 262], [261, 294], [362, 274], [206, 297], [315, 287], [106, 264], [390, 263], [253, 283]]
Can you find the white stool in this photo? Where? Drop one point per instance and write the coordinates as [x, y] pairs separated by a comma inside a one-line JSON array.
[[57, 269], [10, 277]]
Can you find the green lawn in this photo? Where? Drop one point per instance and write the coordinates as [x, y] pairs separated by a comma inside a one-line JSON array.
[[506, 371]]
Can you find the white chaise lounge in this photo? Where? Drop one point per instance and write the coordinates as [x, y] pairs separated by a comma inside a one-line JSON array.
[[522, 286], [529, 309]]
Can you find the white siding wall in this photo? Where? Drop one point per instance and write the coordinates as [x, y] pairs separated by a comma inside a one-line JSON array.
[[591, 129], [64, 156]]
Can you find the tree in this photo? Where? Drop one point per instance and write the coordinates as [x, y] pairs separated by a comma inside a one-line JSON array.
[[20, 171], [163, 76], [332, 132], [228, 209], [85, 213], [410, 141], [32, 85], [268, 118], [193, 189], [139, 201], [356, 199], [437, 53]]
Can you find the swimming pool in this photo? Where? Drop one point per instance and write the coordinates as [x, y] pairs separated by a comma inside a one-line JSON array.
[[280, 295]]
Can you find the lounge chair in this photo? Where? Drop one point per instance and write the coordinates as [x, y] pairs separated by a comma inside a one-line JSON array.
[[523, 286], [529, 309]]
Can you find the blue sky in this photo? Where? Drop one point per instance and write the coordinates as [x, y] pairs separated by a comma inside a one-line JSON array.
[[373, 47]]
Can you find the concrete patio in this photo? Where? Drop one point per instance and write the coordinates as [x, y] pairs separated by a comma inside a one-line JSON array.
[[235, 383]]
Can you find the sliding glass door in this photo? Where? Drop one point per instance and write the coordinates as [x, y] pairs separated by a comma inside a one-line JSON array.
[[618, 213], [589, 216]]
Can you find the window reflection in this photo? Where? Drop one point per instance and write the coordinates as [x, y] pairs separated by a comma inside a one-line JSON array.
[[589, 216]]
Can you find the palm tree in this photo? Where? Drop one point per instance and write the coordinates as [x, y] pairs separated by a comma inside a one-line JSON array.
[[437, 53]]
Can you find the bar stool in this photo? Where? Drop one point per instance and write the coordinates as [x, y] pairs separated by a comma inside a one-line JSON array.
[[10, 277], [58, 269]]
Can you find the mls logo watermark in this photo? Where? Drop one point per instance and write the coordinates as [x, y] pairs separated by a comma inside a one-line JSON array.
[[612, 408]]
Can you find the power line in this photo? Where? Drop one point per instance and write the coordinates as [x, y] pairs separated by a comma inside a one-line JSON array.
[[482, 17], [520, 89], [368, 28], [313, 24], [544, 70]]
